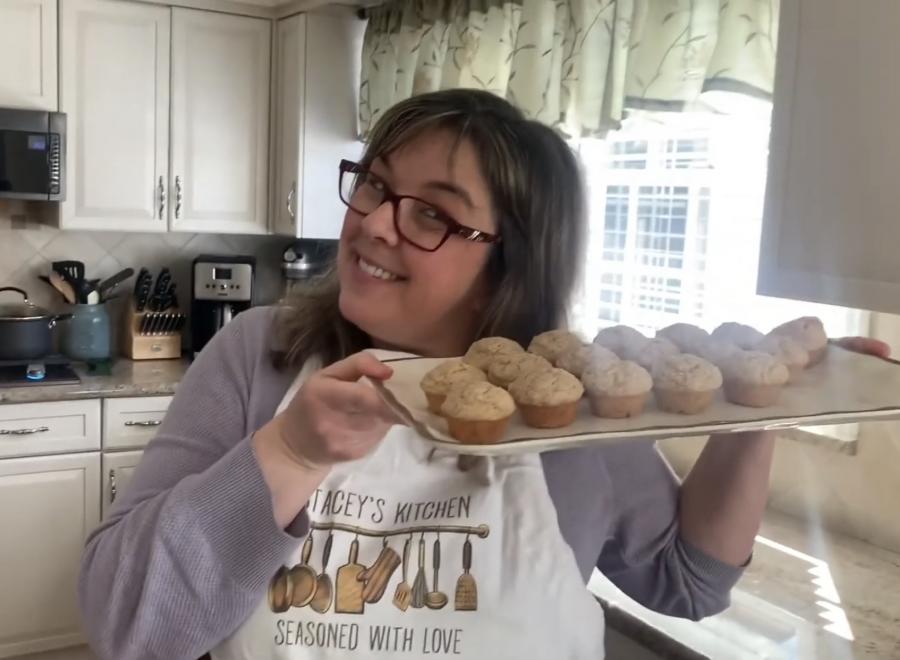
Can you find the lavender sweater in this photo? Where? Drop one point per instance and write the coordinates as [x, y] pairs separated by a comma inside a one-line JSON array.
[[186, 554]]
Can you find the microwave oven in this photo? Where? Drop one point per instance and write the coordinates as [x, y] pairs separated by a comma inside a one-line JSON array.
[[32, 155]]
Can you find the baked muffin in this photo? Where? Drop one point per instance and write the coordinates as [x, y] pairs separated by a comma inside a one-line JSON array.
[[478, 413], [619, 338], [547, 399], [689, 338], [617, 389], [574, 360], [483, 351], [438, 382], [508, 367], [754, 379], [742, 336], [718, 351], [650, 351], [786, 350], [685, 384], [549, 345], [810, 333]]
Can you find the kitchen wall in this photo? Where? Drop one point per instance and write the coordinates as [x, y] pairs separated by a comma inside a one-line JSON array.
[[30, 241]]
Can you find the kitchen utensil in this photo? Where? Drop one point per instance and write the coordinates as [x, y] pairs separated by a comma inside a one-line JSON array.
[[436, 599], [46, 279], [303, 577], [281, 591], [142, 289], [25, 328], [62, 285], [105, 288], [321, 601], [379, 574], [92, 298], [71, 270], [420, 584], [466, 599], [163, 280], [403, 593], [348, 587]]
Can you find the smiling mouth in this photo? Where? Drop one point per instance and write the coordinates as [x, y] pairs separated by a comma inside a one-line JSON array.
[[377, 272]]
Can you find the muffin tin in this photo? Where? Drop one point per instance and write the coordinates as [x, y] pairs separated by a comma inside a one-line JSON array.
[[845, 387]]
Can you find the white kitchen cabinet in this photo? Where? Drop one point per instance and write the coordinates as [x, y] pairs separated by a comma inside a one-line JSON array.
[[56, 427], [317, 83], [28, 76], [48, 505], [830, 232], [118, 468], [115, 89], [220, 122], [131, 422]]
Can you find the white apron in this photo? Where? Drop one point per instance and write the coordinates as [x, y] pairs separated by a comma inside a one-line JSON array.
[[488, 575]]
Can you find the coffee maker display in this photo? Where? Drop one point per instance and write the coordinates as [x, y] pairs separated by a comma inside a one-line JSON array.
[[222, 288]]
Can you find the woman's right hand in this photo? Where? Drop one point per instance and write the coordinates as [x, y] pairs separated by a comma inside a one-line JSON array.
[[336, 415]]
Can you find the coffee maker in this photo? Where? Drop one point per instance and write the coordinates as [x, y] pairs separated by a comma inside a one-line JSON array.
[[221, 288]]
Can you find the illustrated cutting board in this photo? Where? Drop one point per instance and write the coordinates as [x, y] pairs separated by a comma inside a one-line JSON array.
[[845, 387]]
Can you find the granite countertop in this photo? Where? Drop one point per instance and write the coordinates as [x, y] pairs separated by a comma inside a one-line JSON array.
[[127, 378]]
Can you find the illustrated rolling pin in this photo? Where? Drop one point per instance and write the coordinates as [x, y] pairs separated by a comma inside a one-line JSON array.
[[349, 589], [378, 576]]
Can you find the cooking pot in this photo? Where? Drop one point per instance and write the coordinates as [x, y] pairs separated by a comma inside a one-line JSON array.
[[25, 328]]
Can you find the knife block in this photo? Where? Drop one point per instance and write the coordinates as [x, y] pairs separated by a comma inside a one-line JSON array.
[[147, 347]]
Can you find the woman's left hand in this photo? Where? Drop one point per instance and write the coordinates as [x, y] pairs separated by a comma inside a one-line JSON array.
[[864, 345]]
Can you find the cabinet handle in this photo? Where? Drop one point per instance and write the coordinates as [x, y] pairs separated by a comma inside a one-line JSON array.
[[112, 486], [38, 429], [148, 422], [290, 200], [162, 198], [178, 197]]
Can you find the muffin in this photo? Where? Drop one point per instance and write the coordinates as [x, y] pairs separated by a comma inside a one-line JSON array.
[[619, 338], [786, 350], [617, 389], [506, 368], [754, 379], [574, 360], [477, 412], [438, 382], [742, 336], [685, 384], [810, 333], [717, 351], [551, 344], [483, 351], [650, 351], [689, 338], [548, 399]]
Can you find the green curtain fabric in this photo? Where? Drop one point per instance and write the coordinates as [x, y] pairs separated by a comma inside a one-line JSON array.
[[574, 64]]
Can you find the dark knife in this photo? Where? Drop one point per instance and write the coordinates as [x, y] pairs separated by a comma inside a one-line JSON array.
[[142, 290]]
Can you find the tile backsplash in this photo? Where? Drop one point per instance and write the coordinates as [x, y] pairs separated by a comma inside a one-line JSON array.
[[30, 241]]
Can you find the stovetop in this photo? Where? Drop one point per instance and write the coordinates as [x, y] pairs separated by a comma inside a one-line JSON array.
[[56, 372]]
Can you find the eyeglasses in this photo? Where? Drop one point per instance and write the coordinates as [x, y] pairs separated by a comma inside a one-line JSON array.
[[418, 222]]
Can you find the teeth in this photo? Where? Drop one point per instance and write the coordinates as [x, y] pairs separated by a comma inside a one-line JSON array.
[[377, 272]]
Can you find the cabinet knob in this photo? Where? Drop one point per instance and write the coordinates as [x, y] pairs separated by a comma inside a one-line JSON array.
[[112, 486], [162, 198], [178, 197]]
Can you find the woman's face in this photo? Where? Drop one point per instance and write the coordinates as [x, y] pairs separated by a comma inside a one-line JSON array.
[[404, 297]]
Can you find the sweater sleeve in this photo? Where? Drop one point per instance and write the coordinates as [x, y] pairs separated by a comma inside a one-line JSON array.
[[646, 556], [186, 555]]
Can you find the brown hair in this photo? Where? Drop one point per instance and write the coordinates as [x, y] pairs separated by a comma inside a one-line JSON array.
[[539, 204]]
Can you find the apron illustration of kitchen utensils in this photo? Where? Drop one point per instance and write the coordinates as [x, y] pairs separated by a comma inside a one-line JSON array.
[[349, 588], [466, 599], [303, 577], [403, 593], [379, 574], [436, 599], [321, 599], [420, 584], [281, 591]]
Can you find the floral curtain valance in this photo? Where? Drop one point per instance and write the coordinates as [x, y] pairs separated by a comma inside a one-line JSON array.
[[574, 64]]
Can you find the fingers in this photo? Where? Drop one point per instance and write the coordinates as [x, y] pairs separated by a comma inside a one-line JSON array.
[[865, 345], [356, 402], [356, 366]]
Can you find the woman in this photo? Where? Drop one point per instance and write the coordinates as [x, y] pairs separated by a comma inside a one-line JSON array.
[[464, 220]]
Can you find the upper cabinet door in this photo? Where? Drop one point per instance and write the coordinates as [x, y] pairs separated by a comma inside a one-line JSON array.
[[28, 52], [220, 122], [831, 226], [115, 89]]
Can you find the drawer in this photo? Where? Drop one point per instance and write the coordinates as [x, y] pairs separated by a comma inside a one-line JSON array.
[[33, 429], [131, 423]]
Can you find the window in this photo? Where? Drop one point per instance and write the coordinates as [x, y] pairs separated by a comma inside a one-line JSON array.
[[676, 213]]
